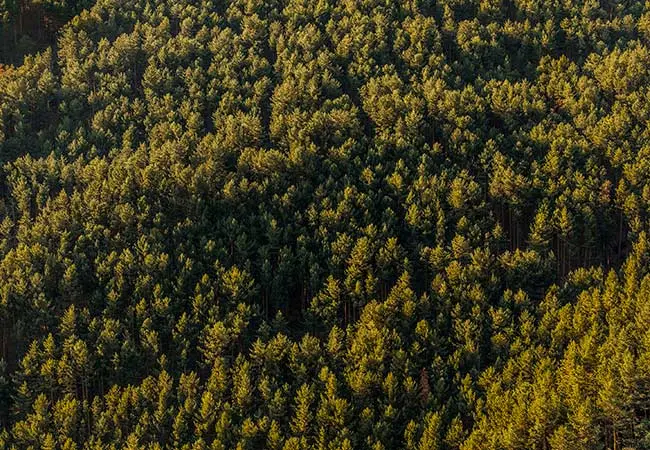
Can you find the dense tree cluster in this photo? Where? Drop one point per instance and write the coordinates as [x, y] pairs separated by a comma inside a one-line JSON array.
[[321, 224]]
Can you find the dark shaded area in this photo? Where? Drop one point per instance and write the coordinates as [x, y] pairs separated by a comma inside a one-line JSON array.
[[28, 27]]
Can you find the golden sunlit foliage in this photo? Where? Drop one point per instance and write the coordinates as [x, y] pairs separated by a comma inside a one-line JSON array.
[[318, 224]]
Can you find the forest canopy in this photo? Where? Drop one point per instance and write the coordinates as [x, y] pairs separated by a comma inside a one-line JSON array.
[[321, 224]]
